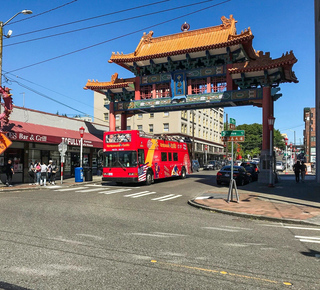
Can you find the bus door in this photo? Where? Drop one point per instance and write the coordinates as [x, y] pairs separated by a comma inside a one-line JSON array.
[[141, 157]]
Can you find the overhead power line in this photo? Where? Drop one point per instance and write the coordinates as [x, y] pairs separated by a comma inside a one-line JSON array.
[[121, 36], [108, 23], [39, 14], [90, 18]]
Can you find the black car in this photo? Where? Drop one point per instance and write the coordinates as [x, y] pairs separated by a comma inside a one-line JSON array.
[[240, 175], [251, 168], [210, 165]]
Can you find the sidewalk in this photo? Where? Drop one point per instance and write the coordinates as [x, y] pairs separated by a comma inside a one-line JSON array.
[[65, 183], [288, 201]]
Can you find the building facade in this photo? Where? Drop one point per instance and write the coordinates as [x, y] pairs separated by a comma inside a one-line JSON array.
[[35, 136], [309, 134]]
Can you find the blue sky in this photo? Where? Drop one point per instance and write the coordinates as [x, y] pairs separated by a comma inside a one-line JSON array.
[[277, 26]]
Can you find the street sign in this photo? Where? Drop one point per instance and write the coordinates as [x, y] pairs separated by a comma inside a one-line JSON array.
[[205, 147], [233, 138], [231, 133], [232, 124], [62, 147], [5, 142]]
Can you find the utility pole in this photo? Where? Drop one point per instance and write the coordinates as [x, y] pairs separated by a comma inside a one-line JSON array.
[[226, 141], [193, 145]]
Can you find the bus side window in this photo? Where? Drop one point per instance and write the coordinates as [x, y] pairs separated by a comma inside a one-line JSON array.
[[170, 156], [141, 156], [175, 156], [163, 156]]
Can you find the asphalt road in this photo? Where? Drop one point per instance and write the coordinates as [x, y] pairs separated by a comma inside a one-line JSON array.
[[146, 237]]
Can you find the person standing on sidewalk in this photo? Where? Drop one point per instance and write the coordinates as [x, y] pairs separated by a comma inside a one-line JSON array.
[[296, 169], [31, 173], [9, 172], [38, 173], [44, 169], [303, 170]]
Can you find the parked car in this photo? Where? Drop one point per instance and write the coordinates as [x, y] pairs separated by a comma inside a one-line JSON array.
[[256, 160], [210, 165], [195, 166], [280, 166], [251, 168], [239, 174]]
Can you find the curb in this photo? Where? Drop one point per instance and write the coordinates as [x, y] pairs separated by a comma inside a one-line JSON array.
[[250, 216]]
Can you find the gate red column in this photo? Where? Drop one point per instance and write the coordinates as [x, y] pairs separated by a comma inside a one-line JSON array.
[[267, 111], [112, 118], [123, 121]]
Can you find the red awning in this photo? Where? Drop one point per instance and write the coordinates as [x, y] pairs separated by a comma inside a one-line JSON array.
[[20, 131]]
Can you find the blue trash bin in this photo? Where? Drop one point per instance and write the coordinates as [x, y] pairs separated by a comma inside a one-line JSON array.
[[78, 174]]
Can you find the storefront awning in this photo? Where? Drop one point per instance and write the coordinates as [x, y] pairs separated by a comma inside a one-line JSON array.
[[27, 132]]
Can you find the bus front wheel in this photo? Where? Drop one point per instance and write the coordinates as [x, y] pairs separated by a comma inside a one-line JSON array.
[[149, 177]]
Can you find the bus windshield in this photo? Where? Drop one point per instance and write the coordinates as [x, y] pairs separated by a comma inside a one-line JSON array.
[[120, 159]]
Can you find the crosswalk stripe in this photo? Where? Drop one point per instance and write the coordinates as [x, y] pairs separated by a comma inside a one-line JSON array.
[[162, 197], [171, 197], [88, 190], [69, 189], [133, 194], [143, 194], [115, 190]]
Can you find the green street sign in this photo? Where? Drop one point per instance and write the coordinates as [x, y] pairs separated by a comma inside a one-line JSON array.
[[231, 133], [232, 121]]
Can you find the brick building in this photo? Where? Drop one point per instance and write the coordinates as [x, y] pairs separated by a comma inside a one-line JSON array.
[[309, 134]]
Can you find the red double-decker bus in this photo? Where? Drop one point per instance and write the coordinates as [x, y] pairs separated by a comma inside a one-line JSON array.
[[132, 156]]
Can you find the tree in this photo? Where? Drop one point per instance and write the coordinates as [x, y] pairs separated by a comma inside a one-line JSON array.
[[253, 139]]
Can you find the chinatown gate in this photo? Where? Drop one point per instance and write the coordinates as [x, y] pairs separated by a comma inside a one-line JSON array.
[[205, 68]]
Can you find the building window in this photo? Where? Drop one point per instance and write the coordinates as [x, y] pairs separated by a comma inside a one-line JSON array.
[[313, 150], [151, 116], [128, 127], [198, 86], [140, 116], [117, 117], [150, 128], [163, 90], [146, 92], [313, 138], [165, 114], [140, 127], [166, 127], [106, 116]]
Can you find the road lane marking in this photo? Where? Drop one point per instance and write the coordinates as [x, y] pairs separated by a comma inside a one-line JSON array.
[[114, 190], [315, 240], [222, 273], [88, 190], [292, 227], [137, 193], [148, 193], [220, 229], [69, 189], [171, 197], [162, 197], [309, 241]]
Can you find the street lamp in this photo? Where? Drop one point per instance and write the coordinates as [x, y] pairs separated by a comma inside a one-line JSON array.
[[8, 35], [271, 120], [81, 131]]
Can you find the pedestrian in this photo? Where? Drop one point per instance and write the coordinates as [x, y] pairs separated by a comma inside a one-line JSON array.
[[9, 172], [31, 172], [44, 169], [52, 170], [38, 173], [296, 169], [303, 169]]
